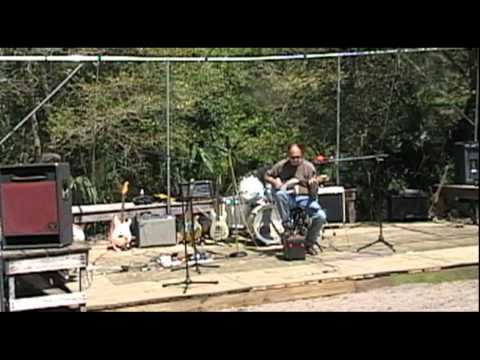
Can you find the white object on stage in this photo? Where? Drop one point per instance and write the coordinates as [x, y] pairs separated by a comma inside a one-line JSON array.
[[260, 223], [251, 189]]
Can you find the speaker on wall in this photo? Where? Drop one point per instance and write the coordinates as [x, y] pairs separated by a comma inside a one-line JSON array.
[[35, 206], [466, 163]]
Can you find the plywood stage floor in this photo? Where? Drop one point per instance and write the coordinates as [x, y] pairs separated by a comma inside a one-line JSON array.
[[263, 276]]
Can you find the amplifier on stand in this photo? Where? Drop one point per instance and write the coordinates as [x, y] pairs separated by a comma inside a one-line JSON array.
[[332, 201], [35, 206]]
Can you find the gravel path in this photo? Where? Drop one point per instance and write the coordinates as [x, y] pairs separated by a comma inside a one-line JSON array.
[[446, 296]]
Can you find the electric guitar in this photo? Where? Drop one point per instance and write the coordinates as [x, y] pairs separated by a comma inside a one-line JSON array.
[[196, 227], [120, 235], [219, 229], [302, 187]]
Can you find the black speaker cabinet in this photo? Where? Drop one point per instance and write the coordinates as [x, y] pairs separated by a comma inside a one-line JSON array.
[[407, 205], [466, 163], [35, 206]]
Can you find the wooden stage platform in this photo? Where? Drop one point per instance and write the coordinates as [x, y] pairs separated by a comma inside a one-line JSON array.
[[263, 277]]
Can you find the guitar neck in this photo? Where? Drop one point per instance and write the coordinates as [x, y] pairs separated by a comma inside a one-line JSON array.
[[122, 213]]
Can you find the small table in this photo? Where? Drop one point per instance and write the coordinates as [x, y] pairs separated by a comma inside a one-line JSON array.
[[38, 262]]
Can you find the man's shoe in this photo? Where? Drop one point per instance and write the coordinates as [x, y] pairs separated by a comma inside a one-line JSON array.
[[287, 225], [311, 251]]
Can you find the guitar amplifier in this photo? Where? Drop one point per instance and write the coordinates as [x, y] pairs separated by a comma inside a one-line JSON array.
[[35, 206], [294, 248], [155, 230], [202, 189], [332, 201]]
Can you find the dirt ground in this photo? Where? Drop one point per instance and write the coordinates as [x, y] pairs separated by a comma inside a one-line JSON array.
[[446, 296]]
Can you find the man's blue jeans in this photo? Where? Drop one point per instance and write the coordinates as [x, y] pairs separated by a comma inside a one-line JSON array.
[[285, 202]]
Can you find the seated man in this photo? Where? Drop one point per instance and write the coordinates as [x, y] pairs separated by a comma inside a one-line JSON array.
[[296, 167]]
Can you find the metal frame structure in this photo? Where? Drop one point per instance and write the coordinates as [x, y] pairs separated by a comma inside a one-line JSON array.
[[168, 60]]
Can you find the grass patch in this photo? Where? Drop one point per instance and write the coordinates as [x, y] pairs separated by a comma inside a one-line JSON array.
[[435, 277]]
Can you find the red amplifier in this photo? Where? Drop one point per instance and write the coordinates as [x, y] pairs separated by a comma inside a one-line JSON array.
[[35, 206]]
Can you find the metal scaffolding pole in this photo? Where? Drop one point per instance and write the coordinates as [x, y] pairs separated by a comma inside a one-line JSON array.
[[475, 134], [339, 91], [109, 58], [49, 96], [168, 138]]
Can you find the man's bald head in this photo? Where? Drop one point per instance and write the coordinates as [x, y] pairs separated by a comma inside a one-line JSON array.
[[295, 154], [297, 147]]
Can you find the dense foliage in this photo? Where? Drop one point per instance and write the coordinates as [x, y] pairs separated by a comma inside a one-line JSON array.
[[109, 121]]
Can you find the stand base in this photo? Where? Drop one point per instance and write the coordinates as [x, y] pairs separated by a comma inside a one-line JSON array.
[[237, 254], [189, 282], [196, 266], [380, 240]]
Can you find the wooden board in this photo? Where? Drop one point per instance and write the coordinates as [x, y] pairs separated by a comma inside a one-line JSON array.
[[50, 301], [75, 248], [105, 212], [37, 265]]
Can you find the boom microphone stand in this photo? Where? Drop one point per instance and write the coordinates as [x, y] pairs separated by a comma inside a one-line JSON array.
[[379, 211]]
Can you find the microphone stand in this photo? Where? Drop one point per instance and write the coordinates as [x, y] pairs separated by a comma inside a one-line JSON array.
[[188, 281], [381, 238]]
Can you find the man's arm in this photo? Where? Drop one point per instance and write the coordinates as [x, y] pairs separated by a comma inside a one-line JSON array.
[[271, 176]]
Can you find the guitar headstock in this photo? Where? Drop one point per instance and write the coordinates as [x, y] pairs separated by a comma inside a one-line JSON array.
[[322, 178], [125, 188]]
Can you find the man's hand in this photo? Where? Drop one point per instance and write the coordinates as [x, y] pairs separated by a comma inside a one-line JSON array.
[[313, 187], [277, 183], [313, 181]]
